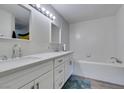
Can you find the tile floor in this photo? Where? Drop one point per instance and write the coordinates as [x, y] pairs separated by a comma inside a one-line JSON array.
[[75, 82], [87, 83]]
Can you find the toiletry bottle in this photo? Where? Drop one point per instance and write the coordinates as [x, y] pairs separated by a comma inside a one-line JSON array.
[[64, 47]]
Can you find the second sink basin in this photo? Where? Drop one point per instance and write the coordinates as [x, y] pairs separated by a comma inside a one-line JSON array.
[[20, 59]]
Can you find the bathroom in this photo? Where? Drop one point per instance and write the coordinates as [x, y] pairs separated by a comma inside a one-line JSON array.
[[57, 46]]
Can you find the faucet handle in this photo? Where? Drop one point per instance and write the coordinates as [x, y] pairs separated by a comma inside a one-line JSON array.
[[117, 60], [20, 52], [4, 57], [113, 57]]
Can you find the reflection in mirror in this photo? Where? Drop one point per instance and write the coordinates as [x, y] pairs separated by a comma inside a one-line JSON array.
[[55, 44], [55, 34], [14, 21]]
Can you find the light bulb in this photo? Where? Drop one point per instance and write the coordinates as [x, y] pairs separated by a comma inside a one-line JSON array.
[[54, 17], [38, 5], [51, 15], [43, 9], [47, 12]]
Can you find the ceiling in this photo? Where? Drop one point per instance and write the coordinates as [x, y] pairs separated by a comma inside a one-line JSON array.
[[83, 12]]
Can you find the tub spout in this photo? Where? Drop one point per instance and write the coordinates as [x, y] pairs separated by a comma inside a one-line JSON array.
[[117, 60]]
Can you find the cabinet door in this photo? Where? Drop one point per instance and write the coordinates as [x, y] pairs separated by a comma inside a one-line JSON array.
[[45, 81], [68, 68], [59, 82], [29, 86]]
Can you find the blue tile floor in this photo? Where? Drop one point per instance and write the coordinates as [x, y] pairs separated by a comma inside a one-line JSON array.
[[75, 82]]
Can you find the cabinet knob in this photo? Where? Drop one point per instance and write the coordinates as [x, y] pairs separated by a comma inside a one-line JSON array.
[[70, 62], [60, 60], [60, 71]]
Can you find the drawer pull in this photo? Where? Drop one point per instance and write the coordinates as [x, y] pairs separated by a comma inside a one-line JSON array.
[[70, 62], [60, 71], [60, 60], [37, 85], [60, 84]]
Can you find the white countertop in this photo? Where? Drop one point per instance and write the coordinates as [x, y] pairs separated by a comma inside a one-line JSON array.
[[28, 60]]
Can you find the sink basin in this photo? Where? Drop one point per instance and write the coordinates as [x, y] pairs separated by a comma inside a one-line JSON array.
[[16, 62], [20, 59]]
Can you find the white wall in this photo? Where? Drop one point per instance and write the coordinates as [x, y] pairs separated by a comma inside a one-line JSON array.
[[6, 19], [95, 38], [37, 44], [120, 33]]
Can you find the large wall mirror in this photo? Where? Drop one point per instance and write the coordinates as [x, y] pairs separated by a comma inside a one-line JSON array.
[[55, 34], [14, 21]]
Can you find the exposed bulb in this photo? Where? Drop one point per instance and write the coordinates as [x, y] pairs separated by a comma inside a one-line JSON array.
[[54, 17], [38, 5], [47, 12], [43, 9], [51, 15]]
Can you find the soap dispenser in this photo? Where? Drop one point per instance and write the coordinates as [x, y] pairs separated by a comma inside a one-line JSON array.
[[64, 47]]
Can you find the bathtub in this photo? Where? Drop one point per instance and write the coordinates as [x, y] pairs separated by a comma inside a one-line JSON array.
[[108, 72]]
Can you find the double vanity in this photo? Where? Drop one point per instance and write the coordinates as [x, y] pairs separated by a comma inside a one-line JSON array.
[[34, 32], [39, 71]]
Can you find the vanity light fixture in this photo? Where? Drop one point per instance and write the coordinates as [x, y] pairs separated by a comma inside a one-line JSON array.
[[43, 11]]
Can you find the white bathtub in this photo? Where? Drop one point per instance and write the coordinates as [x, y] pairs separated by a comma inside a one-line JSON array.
[[109, 72]]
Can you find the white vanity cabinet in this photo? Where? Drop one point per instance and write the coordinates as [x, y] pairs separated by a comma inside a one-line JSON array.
[[46, 74], [56, 77], [63, 67]]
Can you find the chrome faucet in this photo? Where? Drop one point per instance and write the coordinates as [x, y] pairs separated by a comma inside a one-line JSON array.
[[117, 60], [14, 51]]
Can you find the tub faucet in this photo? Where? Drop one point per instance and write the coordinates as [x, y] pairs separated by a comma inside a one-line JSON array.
[[117, 60]]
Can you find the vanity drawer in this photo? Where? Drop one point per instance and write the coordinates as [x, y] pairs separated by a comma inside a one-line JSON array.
[[59, 71], [58, 61], [59, 83]]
